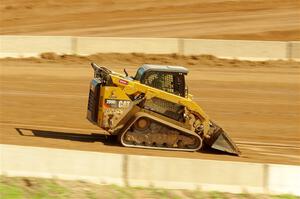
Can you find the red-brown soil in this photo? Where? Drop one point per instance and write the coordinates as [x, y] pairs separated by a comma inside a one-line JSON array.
[[43, 103], [217, 19]]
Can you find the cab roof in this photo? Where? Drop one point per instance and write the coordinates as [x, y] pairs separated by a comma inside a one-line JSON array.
[[164, 68]]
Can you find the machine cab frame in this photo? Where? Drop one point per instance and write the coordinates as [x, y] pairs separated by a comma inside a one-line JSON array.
[[167, 78]]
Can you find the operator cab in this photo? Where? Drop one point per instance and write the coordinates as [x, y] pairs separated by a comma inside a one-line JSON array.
[[166, 78]]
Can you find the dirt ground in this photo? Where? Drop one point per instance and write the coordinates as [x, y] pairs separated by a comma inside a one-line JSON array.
[[44, 100], [222, 19]]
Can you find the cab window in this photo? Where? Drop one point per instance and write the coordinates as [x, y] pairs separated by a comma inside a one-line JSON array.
[[166, 81], [139, 74]]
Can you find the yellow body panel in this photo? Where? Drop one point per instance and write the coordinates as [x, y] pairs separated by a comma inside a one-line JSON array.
[[113, 102], [131, 87]]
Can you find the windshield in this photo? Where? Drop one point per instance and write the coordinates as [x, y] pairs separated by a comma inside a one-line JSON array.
[[139, 73]]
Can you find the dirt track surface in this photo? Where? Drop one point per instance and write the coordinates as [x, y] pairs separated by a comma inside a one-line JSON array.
[[223, 19], [43, 103]]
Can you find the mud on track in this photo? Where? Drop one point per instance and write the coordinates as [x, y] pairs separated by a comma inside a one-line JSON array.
[[43, 103]]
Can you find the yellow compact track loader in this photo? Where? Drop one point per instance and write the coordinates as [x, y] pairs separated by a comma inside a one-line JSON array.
[[153, 110]]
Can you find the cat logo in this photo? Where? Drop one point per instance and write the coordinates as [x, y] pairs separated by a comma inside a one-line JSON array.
[[112, 103], [124, 103]]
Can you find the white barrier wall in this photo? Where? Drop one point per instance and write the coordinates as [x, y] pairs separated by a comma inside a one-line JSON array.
[[294, 50], [249, 50], [92, 45], [26, 46], [134, 170], [284, 179], [40, 162], [178, 173]]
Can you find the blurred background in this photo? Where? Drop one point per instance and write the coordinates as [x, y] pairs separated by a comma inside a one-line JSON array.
[[216, 19]]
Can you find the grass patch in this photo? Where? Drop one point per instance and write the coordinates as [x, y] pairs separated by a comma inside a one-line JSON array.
[[90, 195], [159, 193], [10, 191], [285, 196], [217, 195], [33, 188]]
